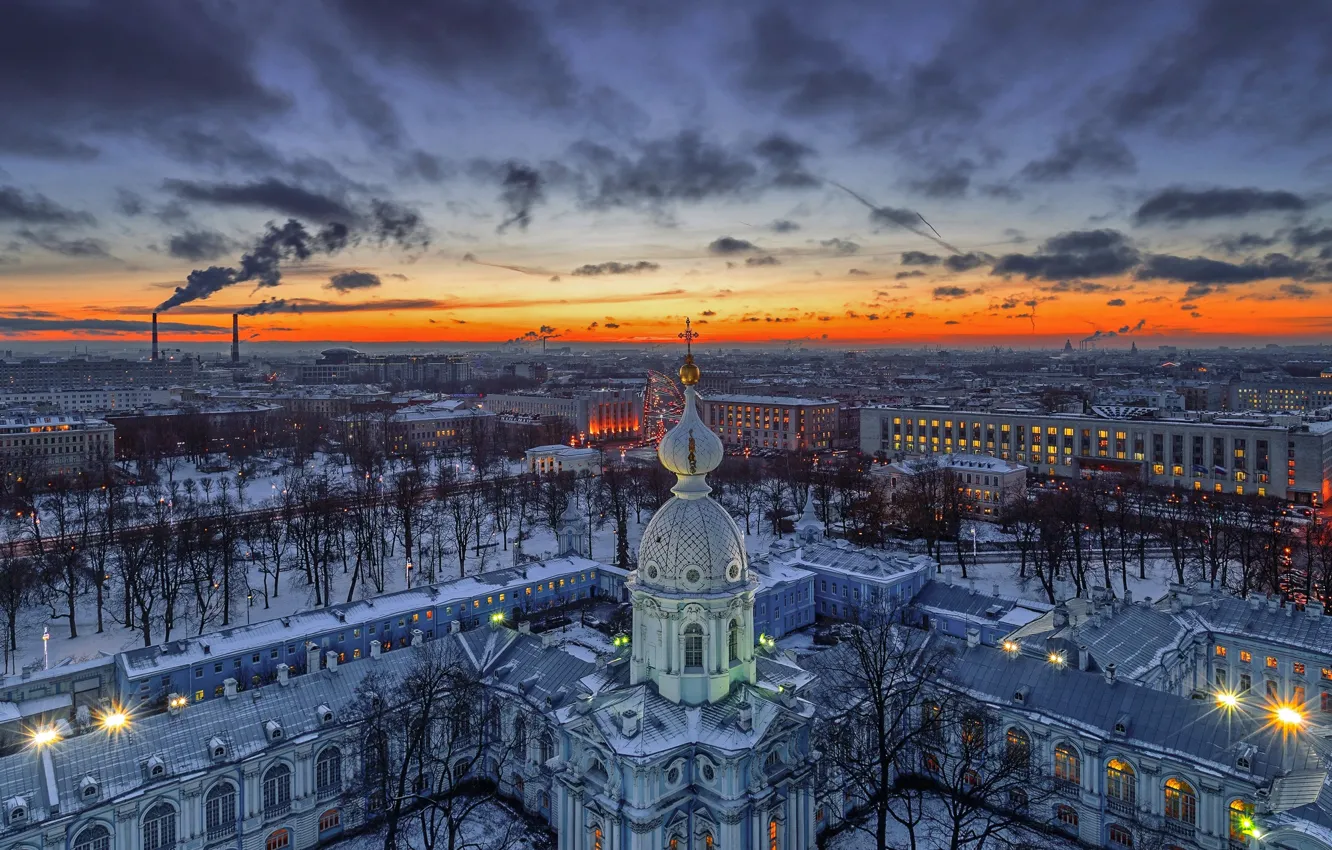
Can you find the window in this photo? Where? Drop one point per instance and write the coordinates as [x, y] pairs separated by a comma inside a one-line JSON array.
[[1121, 782], [277, 788], [973, 732], [930, 762], [159, 827], [1246, 682], [772, 835], [1271, 662], [1327, 701], [1245, 656], [278, 840], [1181, 803], [1297, 668], [1067, 764], [1220, 651], [329, 820], [1019, 748], [733, 642], [328, 770], [95, 837], [1120, 836], [520, 733], [220, 808], [1297, 696], [693, 645], [1272, 691], [1241, 820], [1327, 673], [1067, 816]]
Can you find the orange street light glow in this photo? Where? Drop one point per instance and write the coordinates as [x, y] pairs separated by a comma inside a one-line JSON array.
[[45, 736], [1289, 716]]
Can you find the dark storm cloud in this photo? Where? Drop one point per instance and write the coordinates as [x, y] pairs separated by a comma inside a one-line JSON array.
[[683, 168], [233, 147], [271, 194], [1089, 150], [351, 281], [612, 268], [919, 258], [1242, 243], [946, 181], [1075, 254], [1307, 238], [16, 206], [500, 43], [904, 275], [967, 262], [198, 245], [783, 225], [1231, 64], [843, 247], [135, 67], [357, 97], [1207, 274], [1115, 302], [520, 190], [944, 293], [52, 240], [765, 260], [731, 245], [1176, 205], [390, 222], [262, 264]]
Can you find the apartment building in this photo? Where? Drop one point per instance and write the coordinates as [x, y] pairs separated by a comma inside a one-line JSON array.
[[87, 399], [1300, 395], [771, 422], [1281, 456], [53, 444], [991, 483], [596, 415]]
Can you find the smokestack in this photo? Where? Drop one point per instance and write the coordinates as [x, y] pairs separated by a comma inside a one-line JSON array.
[[154, 337], [235, 337]]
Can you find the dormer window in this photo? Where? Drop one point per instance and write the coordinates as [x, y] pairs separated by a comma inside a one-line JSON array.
[[324, 714], [16, 810], [88, 788], [272, 730], [217, 748], [155, 768]]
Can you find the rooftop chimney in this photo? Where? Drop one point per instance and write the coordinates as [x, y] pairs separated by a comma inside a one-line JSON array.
[[154, 337], [235, 337]]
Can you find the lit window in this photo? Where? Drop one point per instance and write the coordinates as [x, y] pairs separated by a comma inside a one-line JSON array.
[[1271, 661], [1220, 651], [1245, 656]]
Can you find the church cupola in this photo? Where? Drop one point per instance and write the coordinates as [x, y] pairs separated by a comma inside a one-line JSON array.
[[693, 593]]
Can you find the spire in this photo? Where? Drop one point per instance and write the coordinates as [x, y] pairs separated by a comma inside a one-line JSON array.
[[690, 449]]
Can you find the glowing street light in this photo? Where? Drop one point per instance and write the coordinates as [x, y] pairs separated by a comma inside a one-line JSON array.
[[1012, 647], [1227, 700], [114, 721], [45, 737], [497, 618], [1056, 658], [1289, 716]]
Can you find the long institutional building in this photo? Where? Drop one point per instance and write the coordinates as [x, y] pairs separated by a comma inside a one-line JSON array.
[[771, 422], [1285, 456]]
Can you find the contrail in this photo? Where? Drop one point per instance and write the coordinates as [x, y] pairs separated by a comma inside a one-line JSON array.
[[471, 258], [903, 218]]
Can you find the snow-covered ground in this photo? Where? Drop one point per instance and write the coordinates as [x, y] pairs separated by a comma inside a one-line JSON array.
[[492, 826]]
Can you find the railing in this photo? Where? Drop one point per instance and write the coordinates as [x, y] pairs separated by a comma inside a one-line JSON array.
[[1120, 808], [327, 791], [277, 811], [217, 833], [1179, 829], [1067, 787]]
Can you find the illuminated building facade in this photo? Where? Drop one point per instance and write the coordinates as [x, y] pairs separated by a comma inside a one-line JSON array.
[[772, 422]]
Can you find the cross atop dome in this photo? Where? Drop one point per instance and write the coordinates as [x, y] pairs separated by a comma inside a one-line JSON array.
[[689, 372]]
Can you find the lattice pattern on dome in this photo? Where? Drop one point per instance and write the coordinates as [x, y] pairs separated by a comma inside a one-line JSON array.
[[692, 535]]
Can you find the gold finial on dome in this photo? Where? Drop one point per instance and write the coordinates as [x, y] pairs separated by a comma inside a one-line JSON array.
[[689, 373]]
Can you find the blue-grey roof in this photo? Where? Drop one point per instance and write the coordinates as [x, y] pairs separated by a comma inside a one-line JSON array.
[[1255, 618]]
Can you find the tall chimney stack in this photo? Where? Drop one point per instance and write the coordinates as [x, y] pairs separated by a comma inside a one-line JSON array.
[[235, 337], [154, 337]]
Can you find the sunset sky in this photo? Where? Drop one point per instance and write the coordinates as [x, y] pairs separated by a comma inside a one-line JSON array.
[[960, 173]]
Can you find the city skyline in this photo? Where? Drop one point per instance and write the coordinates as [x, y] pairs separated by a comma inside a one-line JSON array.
[[967, 174]]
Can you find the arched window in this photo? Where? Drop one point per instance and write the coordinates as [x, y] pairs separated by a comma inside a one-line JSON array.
[[733, 642], [931, 720], [1120, 836], [460, 721], [596, 771], [970, 780], [772, 835], [1241, 820], [547, 746], [1067, 817], [278, 840], [220, 810], [277, 789], [1068, 764], [95, 837], [493, 720], [460, 771], [329, 821], [1121, 783], [520, 733], [328, 771], [596, 838], [931, 762], [693, 645], [1181, 801], [973, 732], [1018, 748], [518, 786], [772, 762], [159, 827]]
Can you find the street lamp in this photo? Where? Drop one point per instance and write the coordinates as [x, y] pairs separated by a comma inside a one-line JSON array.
[[1289, 717], [44, 737], [115, 720]]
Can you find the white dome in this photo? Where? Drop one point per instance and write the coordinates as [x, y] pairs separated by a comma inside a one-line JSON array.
[[692, 546], [690, 439]]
